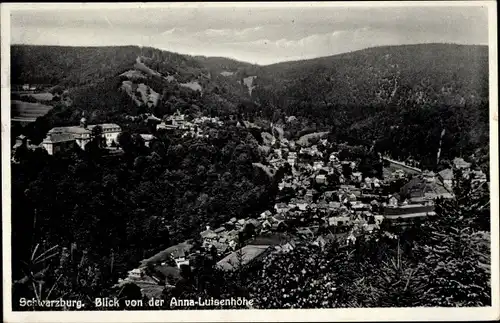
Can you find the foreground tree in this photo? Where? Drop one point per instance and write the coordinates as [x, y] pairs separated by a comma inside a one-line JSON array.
[[455, 249]]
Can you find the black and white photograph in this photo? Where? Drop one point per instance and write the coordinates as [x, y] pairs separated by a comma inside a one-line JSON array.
[[222, 161]]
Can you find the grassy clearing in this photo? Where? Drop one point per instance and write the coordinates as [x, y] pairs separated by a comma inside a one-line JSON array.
[[28, 110]]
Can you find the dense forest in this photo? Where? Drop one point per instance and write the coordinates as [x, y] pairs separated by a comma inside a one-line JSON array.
[[139, 203]]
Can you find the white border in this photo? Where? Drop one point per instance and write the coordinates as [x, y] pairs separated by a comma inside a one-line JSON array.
[[348, 315]]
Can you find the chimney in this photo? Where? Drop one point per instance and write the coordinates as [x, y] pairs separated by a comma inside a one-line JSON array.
[[208, 227]]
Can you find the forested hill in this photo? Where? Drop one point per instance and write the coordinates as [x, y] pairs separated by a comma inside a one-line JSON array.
[[426, 73], [70, 66], [401, 97], [109, 83], [370, 76], [73, 66]]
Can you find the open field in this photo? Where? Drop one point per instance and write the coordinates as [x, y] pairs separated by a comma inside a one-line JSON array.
[[43, 96], [26, 111], [40, 96]]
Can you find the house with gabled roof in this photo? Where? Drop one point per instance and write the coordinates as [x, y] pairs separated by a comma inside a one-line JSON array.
[[57, 143], [333, 157], [208, 236], [321, 179], [359, 207], [243, 257], [322, 240], [266, 225], [329, 194], [460, 163], [281, 207], [478, 176], [333, 206], [256, 224], [309, 195], [278, 223], [429, 176], [265, 214], [148, 138], [322, 205], [335, 221], [219, 230], [302, 205], [446, 177], [357, 177], [305, 232], [287, 247], [240, 223], [317, 165], [176, 252]]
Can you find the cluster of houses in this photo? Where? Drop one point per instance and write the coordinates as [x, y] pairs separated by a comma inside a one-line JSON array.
[[62, 139], [316, 210], [28, 87], [178, 121], [320, 200], [22, 141]]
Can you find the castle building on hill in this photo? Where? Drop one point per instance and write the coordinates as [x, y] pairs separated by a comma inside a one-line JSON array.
[[63, 137]]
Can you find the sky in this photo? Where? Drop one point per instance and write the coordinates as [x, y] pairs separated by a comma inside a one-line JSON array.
[[255, 34]]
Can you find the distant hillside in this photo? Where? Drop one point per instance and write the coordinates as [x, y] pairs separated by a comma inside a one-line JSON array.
[[397, 97], [109, 82], [68, 66], [401, 97], [386, 74]]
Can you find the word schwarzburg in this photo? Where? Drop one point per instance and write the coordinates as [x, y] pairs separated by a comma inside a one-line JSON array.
[[33, 302]]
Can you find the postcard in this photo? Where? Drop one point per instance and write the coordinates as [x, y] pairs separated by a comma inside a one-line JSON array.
[[264, 161]]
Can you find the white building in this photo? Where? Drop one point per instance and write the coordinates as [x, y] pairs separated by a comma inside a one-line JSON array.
[[135, 273], [181, 261], [333, 158], [55, 143], [83, 133], [110, 132], [317, 165], [321, 179]]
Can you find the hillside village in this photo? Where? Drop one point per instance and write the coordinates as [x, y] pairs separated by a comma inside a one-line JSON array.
[[321, 199], [159, 169]]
